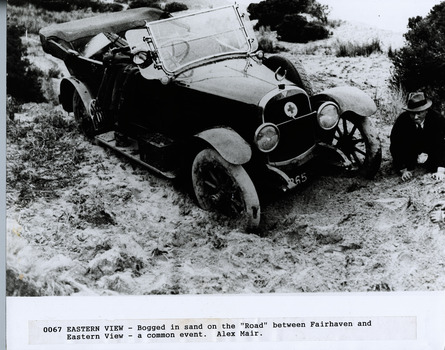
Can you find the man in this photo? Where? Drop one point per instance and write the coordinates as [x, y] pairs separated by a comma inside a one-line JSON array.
[[417, 131]]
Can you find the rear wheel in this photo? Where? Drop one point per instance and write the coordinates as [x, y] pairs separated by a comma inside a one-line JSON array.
[[357, 139], [83, 118], [225, 188]]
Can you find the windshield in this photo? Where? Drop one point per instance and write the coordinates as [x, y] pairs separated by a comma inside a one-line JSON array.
[[184, 40]]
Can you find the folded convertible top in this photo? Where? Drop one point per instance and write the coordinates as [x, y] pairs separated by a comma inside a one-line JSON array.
[[73, 35]]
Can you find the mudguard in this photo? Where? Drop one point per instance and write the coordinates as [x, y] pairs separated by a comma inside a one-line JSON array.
[[349, 99], [229, 144], [67, 87]]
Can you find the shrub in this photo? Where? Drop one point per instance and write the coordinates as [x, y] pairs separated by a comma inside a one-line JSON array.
[[266, 41], [23, 80], [144, 3], [285, 17], [271, 12], [296, 28], [175, 7], [391, 52], [420, 64], [54, 73], [354, 49]]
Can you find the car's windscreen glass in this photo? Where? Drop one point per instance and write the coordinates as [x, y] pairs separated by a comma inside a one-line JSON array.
[[184, 40]]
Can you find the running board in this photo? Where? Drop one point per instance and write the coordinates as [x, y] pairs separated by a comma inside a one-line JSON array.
[[131, 151]]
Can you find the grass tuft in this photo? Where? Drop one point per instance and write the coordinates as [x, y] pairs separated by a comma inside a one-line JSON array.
[[50, 155], [350, 49]]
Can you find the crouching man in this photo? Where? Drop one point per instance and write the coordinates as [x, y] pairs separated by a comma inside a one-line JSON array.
[[418, 132]]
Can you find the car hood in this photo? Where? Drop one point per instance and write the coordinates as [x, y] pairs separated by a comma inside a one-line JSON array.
[[229, 79]]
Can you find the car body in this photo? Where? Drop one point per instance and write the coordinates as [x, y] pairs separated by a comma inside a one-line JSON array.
[[191, 96]]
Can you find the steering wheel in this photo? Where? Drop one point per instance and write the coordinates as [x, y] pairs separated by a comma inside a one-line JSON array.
[[179, 50]]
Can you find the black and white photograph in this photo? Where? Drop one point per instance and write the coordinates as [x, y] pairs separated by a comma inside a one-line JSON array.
[[198, 147]]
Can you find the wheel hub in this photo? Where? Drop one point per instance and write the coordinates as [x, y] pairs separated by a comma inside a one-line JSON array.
[[346, 144], [216, 198]]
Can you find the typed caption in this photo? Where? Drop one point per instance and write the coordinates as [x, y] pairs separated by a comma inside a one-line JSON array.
[[221, 330]]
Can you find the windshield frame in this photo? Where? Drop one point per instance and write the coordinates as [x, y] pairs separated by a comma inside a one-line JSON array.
[[155, 44]]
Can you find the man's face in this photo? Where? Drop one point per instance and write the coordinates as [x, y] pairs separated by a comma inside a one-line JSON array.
[[418, 117]]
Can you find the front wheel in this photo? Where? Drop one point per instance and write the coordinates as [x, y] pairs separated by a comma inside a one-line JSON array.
[[225, 188], [357, 139]]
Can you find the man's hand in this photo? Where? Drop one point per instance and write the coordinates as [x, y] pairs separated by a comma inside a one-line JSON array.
[[422, 158], [436, 216], [406, 175], [440, 174]]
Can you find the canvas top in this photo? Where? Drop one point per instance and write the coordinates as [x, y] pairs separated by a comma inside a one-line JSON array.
[[75, 33]]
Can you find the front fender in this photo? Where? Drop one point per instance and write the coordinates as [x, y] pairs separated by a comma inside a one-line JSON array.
[[349, 99], [67, 87], [228, 143]]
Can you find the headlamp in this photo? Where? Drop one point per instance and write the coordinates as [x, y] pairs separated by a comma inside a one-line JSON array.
[[328, 115], [267, 137]]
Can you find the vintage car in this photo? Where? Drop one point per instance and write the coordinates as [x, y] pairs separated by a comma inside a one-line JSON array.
[[191, 96]]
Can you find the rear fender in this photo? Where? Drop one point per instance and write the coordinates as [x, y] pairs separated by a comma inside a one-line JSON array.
[[67, 88], [349, 99], [228, 143]]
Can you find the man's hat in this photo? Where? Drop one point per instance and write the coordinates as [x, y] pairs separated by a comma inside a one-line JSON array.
[[417, 102]]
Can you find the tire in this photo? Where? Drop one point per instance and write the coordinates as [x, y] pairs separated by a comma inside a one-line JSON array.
[[225, 188], [82, 117], [294, 72], [356, 137]]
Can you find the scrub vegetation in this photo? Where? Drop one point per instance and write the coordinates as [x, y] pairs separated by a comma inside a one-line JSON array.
[[294, 20], [420, 64]]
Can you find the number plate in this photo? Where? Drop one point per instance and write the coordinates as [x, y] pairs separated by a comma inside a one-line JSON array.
[[299, 179]]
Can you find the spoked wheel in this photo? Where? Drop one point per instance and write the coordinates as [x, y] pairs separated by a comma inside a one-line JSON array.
[[358, 140], [225, 188], [83, 119]]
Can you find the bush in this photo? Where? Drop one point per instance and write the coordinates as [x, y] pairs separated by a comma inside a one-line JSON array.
[[266, 40], [271, 12], [23, 80], [353, 49], [285, 17], [144, 3], [175, 7], [420, 64], [296, 28]]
